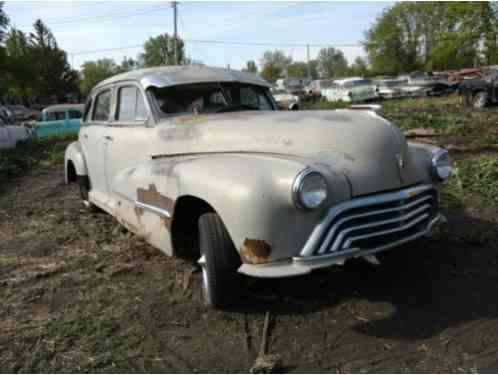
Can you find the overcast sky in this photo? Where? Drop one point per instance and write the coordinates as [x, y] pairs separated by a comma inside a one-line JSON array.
[[89, 26]]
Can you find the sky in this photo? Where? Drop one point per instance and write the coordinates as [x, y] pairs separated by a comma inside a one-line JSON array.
[[83, 28]]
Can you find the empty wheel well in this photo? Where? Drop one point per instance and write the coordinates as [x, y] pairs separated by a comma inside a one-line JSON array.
[[184, 228], [71, 172]]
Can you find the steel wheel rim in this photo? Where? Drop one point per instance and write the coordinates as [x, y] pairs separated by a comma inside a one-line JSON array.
[[205, 281]]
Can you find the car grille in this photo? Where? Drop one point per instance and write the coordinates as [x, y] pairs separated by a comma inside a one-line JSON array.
[[376, 222]]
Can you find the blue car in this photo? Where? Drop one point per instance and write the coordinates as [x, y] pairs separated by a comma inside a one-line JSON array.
[[60, 119]]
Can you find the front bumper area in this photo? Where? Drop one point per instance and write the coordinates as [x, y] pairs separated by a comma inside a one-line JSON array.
[[358, 228]]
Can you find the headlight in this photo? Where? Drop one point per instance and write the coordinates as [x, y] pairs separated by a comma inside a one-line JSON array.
[[309, 190], [441, 165]]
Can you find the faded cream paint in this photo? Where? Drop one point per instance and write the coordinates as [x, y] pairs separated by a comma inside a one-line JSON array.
[[243, 164]]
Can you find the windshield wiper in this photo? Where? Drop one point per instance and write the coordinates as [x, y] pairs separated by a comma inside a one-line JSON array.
[[236, 108]]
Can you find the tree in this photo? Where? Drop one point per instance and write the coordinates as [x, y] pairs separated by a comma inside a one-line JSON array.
[[128, 64], [274, 65], [297, 69], [359, 67], [251, 67], [332, 63], [433, 36], [160, 50], [94, 72], [20, 76], [4, 22]]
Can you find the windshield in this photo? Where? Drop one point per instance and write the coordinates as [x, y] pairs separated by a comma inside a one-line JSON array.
[[390, 83], [210, 98], [360, 82], [279, 92]]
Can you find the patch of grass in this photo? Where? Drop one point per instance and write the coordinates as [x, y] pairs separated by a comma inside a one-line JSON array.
[[47, 151], [475, 176]]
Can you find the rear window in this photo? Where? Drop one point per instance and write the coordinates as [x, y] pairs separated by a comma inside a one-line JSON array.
[[102, 107]]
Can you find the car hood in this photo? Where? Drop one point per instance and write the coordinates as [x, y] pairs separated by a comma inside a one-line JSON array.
[[359, 144]]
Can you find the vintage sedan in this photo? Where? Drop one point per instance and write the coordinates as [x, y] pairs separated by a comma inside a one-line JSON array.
[[355, 89], [12, 135], [286, 100], [481, 92], [199, 162], [59, 119]]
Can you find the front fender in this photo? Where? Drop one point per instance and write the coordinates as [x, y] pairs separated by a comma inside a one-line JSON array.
[[74, 153], [250, 192]]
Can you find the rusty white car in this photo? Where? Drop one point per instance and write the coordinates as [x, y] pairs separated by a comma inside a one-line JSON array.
[[199, 162], [286, 100], [354, 90]]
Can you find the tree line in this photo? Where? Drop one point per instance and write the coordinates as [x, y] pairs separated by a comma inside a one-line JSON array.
[[406, 37]]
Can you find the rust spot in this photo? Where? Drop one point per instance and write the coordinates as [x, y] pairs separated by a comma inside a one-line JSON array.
[[255, 251], [153, 198]]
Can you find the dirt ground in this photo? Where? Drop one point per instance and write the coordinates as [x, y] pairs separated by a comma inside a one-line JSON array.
[[80, 294]]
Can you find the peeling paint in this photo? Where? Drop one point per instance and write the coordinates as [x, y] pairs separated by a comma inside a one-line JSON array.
[[153, 198], [255, 251]]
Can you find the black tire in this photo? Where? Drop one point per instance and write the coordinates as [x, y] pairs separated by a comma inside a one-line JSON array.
[[480, 99], [85, 185], [220, 261]]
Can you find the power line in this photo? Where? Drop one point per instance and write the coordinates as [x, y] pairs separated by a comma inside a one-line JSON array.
[[99, 18], [203, 41]]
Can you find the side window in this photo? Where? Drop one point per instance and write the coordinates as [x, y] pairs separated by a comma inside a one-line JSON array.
[[56, 115], [131, 105], [264, 103], [102, 107], [248, 97], [74, 113]]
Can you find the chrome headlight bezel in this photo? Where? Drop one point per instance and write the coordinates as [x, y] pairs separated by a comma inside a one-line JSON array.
[[441, 165], [297, 189]]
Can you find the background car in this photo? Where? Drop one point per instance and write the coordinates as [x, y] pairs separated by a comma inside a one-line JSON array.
[[354, 89], [11, 135], [286, 100], [59, 119], [481, 92]]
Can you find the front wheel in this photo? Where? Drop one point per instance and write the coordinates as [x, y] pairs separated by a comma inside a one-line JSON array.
[[219, 261]]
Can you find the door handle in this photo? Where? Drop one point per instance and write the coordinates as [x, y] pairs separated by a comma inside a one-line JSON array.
[[108, 137]]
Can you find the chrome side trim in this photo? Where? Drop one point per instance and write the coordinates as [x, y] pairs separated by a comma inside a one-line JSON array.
[[323, 226], [333, 229], [153, 209], [343, 234]]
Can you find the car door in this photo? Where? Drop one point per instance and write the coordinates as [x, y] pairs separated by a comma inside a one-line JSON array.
[[128, 138], [96, 119], [73, 120]]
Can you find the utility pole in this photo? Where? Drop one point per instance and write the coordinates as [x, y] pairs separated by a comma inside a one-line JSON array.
[[175, 32], [308, 60]]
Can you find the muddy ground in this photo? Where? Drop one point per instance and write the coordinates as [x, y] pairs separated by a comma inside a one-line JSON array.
[[80, 294]]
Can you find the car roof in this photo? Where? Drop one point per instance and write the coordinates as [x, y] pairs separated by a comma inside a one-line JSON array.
[[350, 79], [166, 76], [63, 107]]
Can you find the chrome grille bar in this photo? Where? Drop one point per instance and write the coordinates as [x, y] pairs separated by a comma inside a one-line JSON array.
[[412, 202], [326, 243]]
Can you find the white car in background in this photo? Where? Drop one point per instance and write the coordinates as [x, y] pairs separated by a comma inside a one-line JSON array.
[[355, 89], [11, 135], [286, 100]]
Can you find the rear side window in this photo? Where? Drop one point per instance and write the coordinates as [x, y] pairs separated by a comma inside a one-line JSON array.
[[74, 113], [102, 107], [56, 115], [131, 105]]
